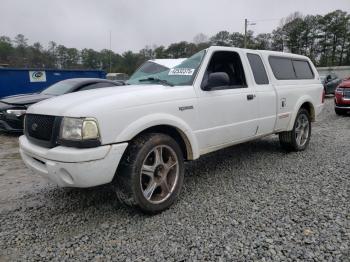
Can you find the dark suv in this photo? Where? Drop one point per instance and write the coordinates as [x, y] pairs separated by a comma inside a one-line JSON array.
[[330, 82]]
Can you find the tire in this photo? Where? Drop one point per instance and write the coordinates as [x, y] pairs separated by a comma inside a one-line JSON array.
[[299, 137], [150, 175]]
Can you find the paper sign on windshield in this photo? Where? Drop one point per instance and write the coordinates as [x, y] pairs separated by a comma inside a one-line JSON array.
[[181, 72]]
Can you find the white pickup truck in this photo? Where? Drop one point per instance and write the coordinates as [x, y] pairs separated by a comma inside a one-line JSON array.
[[138, 136]]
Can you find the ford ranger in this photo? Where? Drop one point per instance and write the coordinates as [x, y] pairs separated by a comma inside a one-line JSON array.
[[138, 136]]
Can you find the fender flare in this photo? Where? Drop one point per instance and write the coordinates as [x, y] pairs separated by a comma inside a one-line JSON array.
[[145, 122], [302, 100]]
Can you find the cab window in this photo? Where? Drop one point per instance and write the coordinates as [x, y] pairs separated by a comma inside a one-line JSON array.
[[224, 71], [259, 72]]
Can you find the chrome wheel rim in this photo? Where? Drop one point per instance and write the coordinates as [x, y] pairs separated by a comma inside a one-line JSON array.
[[302, 130], [159, 174]]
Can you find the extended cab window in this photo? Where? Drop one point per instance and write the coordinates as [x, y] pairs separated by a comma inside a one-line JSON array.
[[282, 68], [285, 68], [303, 69], [227, 65], [258, 69]]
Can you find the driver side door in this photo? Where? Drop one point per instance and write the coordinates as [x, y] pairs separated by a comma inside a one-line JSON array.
[[227, 114]]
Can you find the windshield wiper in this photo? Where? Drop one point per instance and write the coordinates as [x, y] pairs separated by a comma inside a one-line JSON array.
[[158, 80]]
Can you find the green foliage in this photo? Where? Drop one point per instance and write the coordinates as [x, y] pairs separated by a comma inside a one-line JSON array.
[[325, 39]]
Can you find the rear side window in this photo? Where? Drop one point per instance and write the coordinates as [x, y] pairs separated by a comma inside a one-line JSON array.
[[303, 69], [258, 69], [282, 68], [288, 69]]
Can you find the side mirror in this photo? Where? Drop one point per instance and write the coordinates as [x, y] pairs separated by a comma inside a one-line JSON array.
[[217, 79]]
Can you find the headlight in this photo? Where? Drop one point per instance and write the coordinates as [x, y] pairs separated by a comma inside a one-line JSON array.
[[79, 129], [339, 90], [16, 112], [90, 129]]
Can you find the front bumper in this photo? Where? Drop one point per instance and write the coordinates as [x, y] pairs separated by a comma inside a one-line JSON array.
[[4, 126], [11, 123], [73, 167], [343, 107]]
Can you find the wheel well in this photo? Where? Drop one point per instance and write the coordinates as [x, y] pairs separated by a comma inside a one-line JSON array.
[[310, 108], [176, 134]]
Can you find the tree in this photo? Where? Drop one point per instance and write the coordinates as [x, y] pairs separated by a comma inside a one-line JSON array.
[[263, 42], [20, 59], [147, 53], [36, 55], [90, 59], [278, 38], [21, 41], [131, 61], [6, 50], [200, 38], [73, 57], [237, 39], [181, 50], [160, 52], [221, 39]]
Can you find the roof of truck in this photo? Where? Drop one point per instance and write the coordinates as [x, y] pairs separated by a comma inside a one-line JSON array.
[[267, 52]]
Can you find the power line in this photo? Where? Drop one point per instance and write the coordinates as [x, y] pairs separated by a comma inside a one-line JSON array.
[[266, 20]]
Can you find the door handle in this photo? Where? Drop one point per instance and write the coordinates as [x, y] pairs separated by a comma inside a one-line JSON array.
[[250, 97]]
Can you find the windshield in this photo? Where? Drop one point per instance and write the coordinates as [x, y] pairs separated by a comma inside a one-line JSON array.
[[59, 88], [148, 68], [182, 74]]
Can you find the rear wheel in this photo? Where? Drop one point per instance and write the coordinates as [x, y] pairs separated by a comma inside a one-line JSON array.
[[151, 173], [299, 137]]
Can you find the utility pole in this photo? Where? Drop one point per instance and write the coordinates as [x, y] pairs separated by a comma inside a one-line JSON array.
[[245, 32], [246, 23], [110, 51]]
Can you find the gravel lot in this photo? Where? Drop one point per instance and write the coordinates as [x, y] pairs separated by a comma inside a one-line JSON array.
[[252, 202]]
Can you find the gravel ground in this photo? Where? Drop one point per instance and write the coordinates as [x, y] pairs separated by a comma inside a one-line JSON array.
[[252, 202]]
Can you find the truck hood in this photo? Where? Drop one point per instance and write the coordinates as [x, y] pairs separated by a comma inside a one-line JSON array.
[[25, 99], [345, 83], [89, 103]]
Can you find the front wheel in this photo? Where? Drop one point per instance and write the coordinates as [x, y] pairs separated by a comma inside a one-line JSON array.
[[299, 137], [151, 173]]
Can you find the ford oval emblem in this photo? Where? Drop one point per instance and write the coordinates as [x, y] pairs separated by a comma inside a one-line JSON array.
[[34, 126]]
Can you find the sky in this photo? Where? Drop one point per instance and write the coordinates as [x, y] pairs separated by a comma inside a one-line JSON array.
[[134, 24]]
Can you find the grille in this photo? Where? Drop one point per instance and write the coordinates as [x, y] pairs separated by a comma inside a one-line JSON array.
[[347, 93], [39, 126]]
